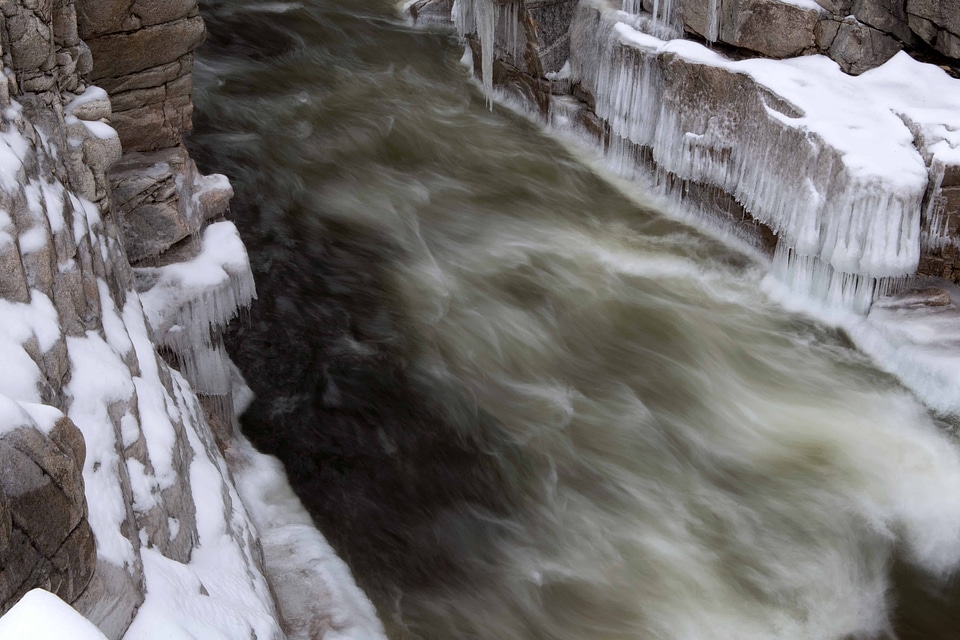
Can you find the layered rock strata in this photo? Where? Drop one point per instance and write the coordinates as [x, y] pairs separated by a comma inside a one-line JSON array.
[[117, 401], [107, 452]]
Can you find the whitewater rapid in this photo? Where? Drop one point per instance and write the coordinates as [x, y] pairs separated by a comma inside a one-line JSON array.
[[520, 404]]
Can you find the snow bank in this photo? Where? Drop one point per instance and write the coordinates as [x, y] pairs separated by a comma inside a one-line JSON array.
[[40, 615], [312, 584]]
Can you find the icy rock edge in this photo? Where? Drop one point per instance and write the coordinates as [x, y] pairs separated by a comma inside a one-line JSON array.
[[120, 458], [849, 183]]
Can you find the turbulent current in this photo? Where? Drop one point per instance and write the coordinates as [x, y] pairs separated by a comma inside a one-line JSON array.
[[521, 404]]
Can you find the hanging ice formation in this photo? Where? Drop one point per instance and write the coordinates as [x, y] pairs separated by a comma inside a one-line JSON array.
[[498, 31], [713, 22], [188, 302], [662, 21], [822, 158]]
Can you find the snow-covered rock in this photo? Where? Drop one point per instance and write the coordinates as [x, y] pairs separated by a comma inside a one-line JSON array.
[[115, 495]]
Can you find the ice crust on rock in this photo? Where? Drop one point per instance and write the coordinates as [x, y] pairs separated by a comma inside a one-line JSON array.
[[188, 302], [830, 162]]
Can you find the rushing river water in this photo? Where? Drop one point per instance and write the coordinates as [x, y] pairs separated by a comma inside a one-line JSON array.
[[521, 404]]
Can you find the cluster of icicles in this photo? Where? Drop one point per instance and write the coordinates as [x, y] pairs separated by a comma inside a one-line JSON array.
[[842, 241]]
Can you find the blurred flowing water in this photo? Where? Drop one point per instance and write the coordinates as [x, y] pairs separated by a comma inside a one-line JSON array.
[[521, 404]]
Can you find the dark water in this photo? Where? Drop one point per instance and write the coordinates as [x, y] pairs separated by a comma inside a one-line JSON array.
[[522, 405]]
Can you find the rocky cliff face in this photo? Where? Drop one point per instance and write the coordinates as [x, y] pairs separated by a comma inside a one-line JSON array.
[[107, 452], [116, 397]]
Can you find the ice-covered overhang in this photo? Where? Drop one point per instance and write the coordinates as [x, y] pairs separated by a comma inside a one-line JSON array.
[[838, 166]]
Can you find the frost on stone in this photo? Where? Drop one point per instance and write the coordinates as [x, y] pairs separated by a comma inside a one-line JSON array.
[[187, 303], [824, 159]]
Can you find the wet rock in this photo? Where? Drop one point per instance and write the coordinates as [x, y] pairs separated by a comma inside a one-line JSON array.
[[431, 11], [918, 297]]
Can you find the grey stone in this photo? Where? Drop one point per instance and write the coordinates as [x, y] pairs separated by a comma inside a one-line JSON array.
[[551, 19], [74, 563], [770, 27], [84, 59], [38, 506], [943, 13], [65, 32], [46, 540], [826, 32], [31, 40], [95, 109], [163, 199], [153, 77], [888, 16], [837, 7], [153, 127], [13, 284], [112, 597], [858, 47], [948, 44]]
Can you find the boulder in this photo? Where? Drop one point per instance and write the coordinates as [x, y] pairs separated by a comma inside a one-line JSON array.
[[45, 539]]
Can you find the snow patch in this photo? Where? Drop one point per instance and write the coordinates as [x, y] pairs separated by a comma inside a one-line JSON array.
[[40, 615], [311, 581]]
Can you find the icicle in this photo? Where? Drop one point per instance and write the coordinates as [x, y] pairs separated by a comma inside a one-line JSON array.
[[844, 238], [935, 234], [810, 277], [513, 44], [713, 22], [187, 303]]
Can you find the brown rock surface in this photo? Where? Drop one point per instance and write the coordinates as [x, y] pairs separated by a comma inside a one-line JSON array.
[[117, 55], [99, 17], [155, 195], [45, 539]]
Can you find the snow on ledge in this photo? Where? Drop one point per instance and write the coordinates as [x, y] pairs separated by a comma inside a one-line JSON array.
[[829, 161], [311, 582], [200, 294], [40, 615]]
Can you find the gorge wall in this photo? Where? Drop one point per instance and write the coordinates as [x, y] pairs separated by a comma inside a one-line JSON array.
[[816, 124], [117, 401]]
